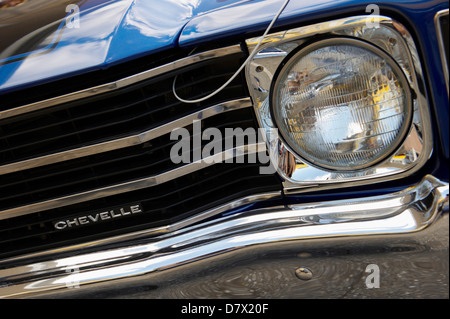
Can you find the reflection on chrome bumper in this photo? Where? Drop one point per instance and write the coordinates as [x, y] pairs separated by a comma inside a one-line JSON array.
[[399, 213]]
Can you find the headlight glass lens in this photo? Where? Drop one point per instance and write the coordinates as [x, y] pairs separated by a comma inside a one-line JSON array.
[[341, 104]]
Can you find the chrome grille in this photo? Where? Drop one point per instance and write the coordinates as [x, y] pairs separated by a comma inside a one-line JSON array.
[[110, 147], [120, 112]]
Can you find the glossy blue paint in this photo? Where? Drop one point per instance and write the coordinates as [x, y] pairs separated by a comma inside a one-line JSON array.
[[77, 49], [111, 31]]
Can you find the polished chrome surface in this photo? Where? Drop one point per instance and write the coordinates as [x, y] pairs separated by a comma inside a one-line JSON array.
[[441, 44], [403, 212], [133, 185], [108, 87], [391, 37], [126, 141]]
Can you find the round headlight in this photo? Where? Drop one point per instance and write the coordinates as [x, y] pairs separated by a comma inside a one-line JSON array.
[[341, 104]]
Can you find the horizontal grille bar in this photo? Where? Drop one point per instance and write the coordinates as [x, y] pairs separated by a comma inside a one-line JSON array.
[[115, 167], [125, 115], [127, 141], [133, 185], [108, 87]]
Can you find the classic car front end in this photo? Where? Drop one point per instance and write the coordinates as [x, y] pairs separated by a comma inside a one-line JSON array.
[[224, 149]]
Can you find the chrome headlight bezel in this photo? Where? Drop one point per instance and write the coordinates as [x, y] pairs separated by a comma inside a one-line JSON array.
[[326, 42], [390, 37]]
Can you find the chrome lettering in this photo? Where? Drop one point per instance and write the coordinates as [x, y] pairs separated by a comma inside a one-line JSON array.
[[83, 220], [114, 215], [73, 222], [105, 215], [136, 209], [94, 219], [60, 225], [97, 217]]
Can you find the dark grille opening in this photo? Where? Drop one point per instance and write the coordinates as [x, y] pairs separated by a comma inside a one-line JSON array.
[[121, 113], [104, 169], [162, 205]]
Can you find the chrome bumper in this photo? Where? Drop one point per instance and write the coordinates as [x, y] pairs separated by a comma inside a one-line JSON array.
[[277, 240]]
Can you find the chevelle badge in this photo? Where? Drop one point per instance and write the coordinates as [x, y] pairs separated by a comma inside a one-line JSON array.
[[97, 217]]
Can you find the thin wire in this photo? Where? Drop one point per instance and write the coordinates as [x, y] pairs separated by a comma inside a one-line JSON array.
[[255, 50]]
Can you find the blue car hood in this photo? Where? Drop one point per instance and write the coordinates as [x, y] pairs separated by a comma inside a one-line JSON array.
[[43, 40]]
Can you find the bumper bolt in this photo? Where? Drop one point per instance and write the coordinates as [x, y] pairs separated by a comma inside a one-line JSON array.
[[303, 273]]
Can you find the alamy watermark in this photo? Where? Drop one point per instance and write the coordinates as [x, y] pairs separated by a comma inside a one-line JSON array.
[[73, 278], [374, 11], [373, 279], [232, 145], [73, 17]]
